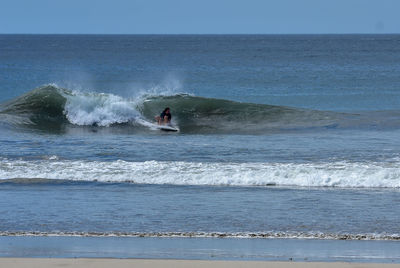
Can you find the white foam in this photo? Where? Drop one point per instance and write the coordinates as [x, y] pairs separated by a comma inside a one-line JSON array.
[[336, 174], [99, 108], [248, 235], [105, 109]]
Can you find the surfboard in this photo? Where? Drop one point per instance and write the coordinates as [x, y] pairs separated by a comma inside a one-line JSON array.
[[167, 128]]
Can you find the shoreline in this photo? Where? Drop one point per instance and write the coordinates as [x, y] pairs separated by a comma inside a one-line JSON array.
[[166, 263], [206, 249]]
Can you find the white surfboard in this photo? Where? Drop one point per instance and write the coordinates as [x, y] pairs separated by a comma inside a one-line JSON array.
[[168, 128]]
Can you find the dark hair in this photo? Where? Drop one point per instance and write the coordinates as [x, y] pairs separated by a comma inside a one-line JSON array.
[[166, 109]]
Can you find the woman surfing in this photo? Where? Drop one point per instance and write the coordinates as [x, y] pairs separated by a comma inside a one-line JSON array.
[[165, 117], [164, 121]]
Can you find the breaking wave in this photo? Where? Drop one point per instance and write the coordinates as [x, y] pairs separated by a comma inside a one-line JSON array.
[[342, 174], [51, 107]]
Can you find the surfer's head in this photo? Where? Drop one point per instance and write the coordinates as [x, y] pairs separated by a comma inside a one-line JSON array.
[[166, 110]]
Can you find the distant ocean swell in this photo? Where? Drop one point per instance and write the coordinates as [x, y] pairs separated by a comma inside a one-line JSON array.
[[332, 174], [51, 107], [265, 235]]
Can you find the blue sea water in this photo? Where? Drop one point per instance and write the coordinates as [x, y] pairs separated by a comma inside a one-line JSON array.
[[280, 136]]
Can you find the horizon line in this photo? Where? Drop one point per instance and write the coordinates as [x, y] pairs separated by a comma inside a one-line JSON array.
[[355, 33]]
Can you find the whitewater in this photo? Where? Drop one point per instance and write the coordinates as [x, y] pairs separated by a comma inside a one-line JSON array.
[[336, 174]]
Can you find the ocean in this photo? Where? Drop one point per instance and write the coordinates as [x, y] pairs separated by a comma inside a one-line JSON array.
[[292, 137]]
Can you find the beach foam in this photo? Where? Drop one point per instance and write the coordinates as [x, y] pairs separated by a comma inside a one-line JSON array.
[[271, 235]]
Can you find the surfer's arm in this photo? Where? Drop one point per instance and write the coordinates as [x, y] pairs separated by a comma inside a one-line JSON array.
[[158, 119]]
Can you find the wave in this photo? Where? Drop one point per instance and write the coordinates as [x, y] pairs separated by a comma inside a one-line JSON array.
[[342, 174], [53, 107], [39, 106], [51, 104], [265, 235]]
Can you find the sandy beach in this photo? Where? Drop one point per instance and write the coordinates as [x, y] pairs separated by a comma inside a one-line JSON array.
[[122, 263]]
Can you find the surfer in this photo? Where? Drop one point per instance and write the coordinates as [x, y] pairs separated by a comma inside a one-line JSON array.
[[165, 117]]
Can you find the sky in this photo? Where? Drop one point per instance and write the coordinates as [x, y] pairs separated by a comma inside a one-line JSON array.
[[199, 16]]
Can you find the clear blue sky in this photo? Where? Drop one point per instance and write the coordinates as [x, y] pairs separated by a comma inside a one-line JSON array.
[[199, 16]]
